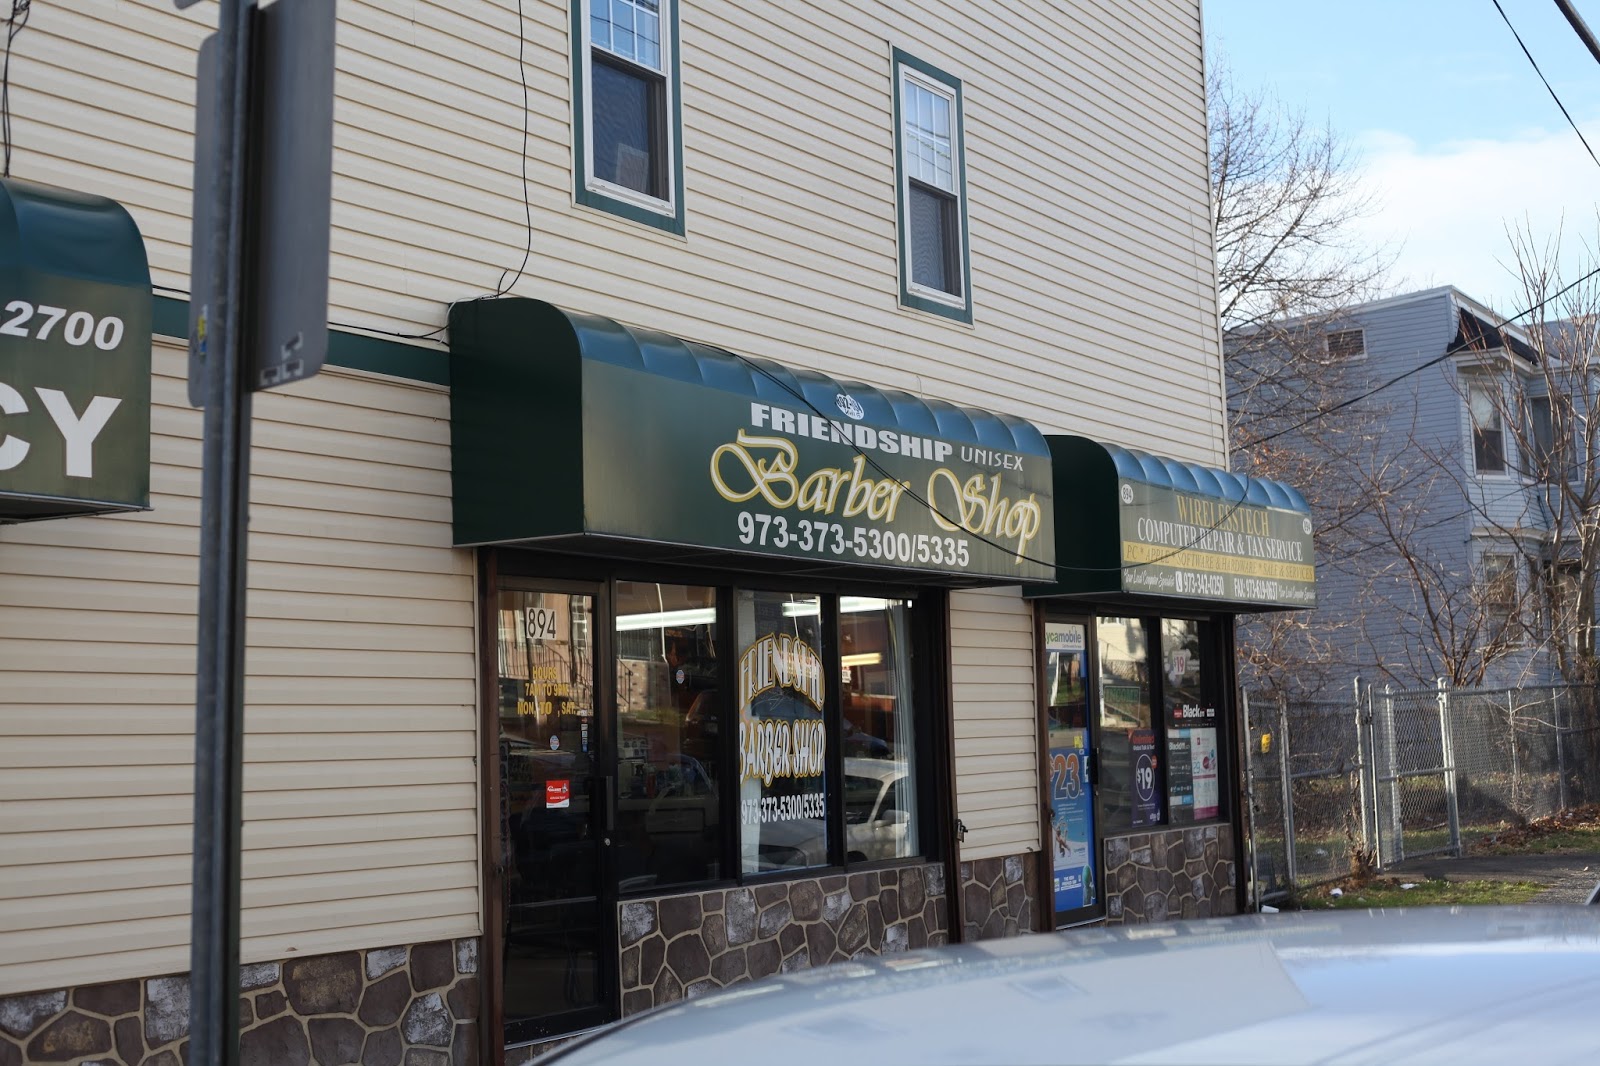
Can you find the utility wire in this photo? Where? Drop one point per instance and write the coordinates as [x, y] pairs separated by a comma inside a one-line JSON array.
[[16, 22], [1580, 27], [1546, 81]]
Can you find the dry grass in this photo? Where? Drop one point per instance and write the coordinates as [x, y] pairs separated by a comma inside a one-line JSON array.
[[1574, 831]]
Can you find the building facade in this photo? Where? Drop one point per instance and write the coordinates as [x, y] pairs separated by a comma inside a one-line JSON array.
[[762, 509], [1457, 547]]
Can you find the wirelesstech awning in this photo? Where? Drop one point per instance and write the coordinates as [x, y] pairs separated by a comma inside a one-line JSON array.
[[1135, 526], [576, 433]]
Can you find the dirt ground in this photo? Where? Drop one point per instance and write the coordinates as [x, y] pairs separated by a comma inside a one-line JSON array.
[[1570, 876]]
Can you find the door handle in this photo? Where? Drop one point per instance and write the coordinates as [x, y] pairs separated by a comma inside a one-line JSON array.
[[609, 784]]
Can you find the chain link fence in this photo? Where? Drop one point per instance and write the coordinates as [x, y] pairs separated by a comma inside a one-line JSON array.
[[1387, 774]]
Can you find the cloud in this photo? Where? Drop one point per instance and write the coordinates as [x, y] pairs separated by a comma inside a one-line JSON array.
[[1447, 208]]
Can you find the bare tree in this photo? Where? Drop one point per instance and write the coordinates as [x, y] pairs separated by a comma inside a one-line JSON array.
[[1537, 404], [1285, 196]]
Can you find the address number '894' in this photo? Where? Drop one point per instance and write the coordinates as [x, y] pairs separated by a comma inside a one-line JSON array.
[[79, 329]]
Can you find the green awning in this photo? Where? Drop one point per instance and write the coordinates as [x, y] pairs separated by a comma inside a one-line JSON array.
[[1137, 526], [577, 433], [74, 355]]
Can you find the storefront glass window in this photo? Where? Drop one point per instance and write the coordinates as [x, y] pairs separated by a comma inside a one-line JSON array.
[[1130, 768], [781, 688], [877, 729], [1190, 717], [668, 729], [552, 914], [1067, 777]]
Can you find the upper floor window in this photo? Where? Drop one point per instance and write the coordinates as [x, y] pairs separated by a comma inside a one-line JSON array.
[[1497, 594], [1347, 344], [625, 110], [1488, 432], [934, 264]]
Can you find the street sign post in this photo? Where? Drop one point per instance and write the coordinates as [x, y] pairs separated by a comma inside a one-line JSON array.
[[289, 196], [258, 319]]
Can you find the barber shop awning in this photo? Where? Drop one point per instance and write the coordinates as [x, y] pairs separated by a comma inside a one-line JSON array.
[[576, 433], [74, 355], [1137, 526]]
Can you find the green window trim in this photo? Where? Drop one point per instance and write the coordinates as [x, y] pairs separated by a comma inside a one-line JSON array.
[[666, 215], [955, 307], [352, 351]]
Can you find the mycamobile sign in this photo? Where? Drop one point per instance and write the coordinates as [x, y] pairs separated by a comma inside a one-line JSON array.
[[75, 308]]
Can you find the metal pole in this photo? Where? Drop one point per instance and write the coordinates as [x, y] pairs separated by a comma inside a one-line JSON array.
[[1372, 779], [1361, 770], [1561, 753], [219, 686], [1396, 817], [1447, 748], [1285, 769], [1516, 764], [1254, 884]]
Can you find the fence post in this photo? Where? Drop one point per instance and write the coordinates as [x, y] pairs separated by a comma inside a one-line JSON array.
[[1371, 737], [1447, 749], [1395, 817], [1511, 728], [1561, 751], [1361, 770], [1253, 900], [1285, 769]]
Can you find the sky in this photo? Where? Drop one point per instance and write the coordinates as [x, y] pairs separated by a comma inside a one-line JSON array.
[[1451, 130]]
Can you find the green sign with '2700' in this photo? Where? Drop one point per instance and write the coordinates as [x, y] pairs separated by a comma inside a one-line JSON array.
[[75, 307]]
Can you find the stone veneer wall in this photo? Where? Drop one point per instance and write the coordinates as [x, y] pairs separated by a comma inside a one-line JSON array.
[[401, 1006], [676, 947], [1170, 873], [997, 896]]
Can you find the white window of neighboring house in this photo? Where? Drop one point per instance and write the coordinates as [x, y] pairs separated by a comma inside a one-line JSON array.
[[1347, 344], [1552, 456], [1561, 601], [934, 265], [626, 109], [1488, 433], [1498, 593]]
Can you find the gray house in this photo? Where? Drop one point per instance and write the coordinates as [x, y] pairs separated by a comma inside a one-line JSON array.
[[1422, 425]]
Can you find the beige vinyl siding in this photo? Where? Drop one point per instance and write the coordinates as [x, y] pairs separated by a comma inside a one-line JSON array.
[[1085, 159], [360, 777], [996, 726]]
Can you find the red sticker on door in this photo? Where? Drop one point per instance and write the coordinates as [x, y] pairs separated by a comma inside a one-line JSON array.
[[558, 793]]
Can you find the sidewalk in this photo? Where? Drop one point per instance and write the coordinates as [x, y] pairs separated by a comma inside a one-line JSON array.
[[1569, 877]]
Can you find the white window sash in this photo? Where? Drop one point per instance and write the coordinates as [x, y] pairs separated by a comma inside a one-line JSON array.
[[668, 206], [958, 173]]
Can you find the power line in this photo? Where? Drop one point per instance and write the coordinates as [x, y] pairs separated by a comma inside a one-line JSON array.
[[1546, 81], [1580, 27], [15, 23]]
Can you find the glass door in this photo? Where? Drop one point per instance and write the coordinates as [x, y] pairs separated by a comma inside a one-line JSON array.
[[556, 951], [1069, 779]]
